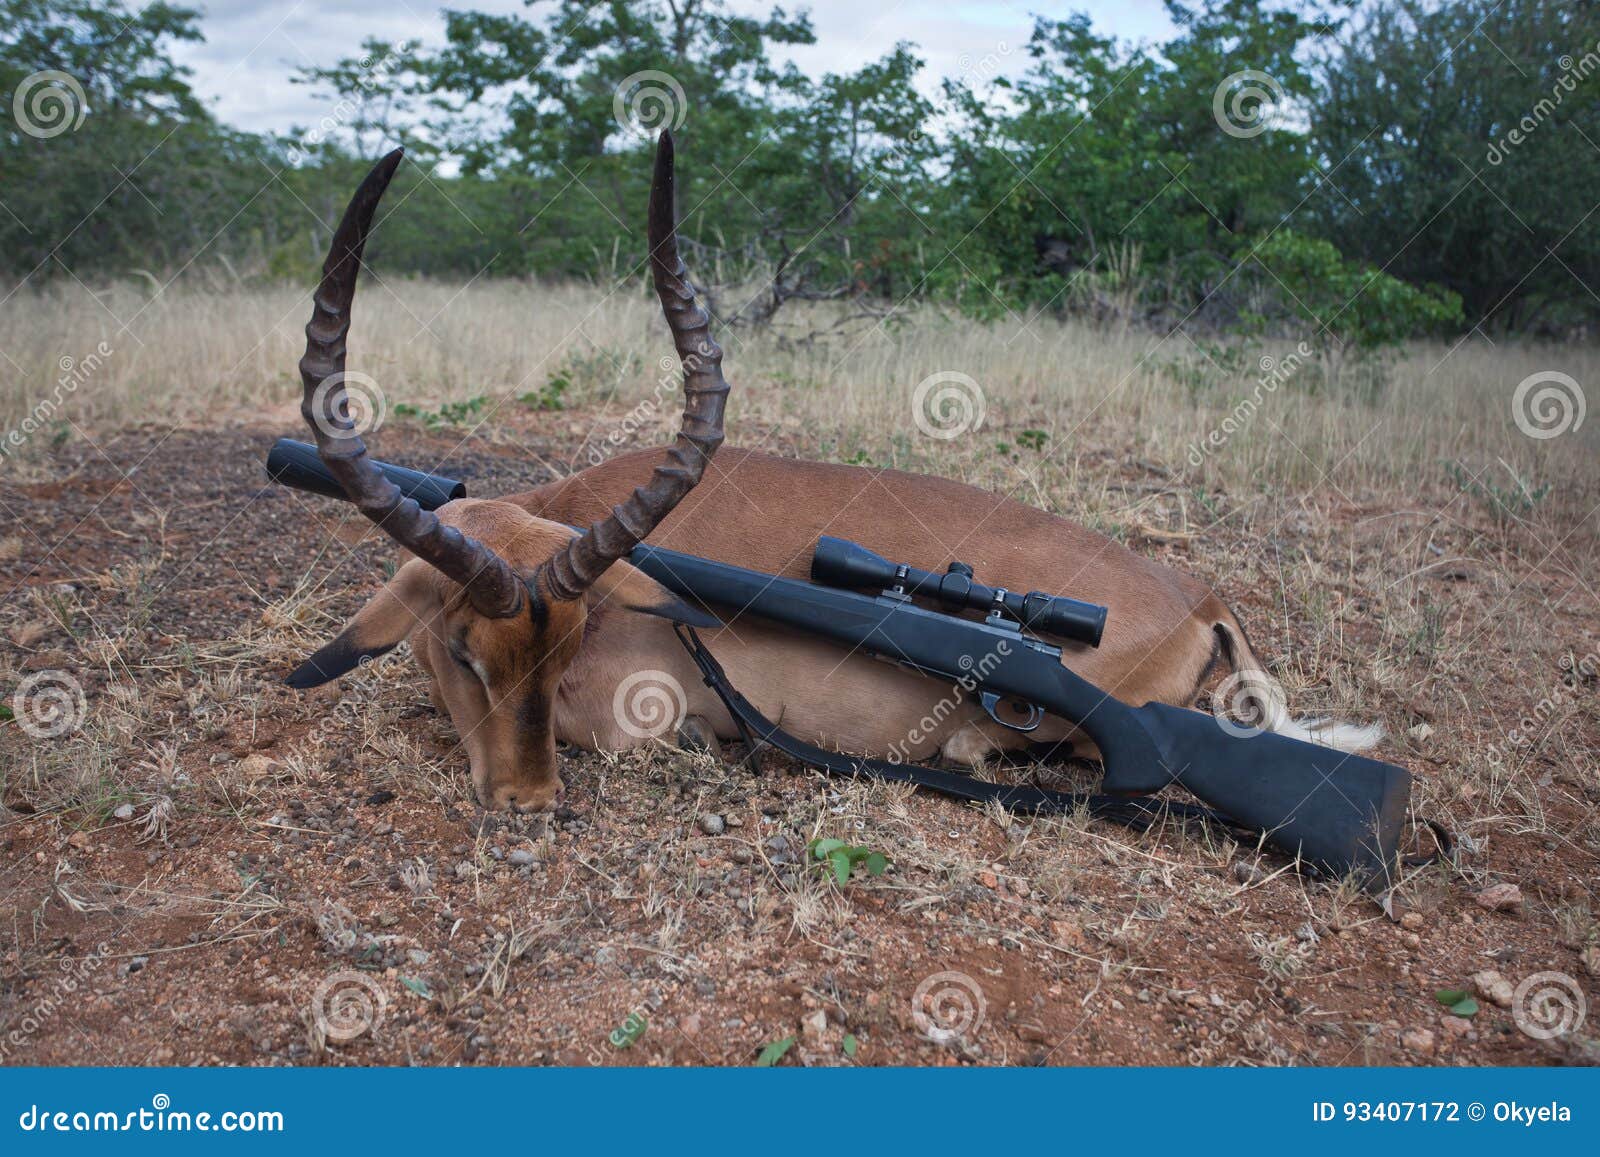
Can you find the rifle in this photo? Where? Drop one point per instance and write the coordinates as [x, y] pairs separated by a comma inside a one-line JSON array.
[[1340, 813]]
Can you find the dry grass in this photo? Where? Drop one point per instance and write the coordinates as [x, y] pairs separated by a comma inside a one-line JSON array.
[[196, 355]]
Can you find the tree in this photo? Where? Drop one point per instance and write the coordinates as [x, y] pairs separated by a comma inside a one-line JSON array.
[[1462, 146]]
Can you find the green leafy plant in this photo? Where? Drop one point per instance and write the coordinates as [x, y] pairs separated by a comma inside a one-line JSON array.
[[448, 413], [1458, 1001], [548, 398], [1033, 440], [1505, 503], [774, 1052], [841, 858]]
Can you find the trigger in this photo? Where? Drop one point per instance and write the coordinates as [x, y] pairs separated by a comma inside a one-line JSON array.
[[991, 705]]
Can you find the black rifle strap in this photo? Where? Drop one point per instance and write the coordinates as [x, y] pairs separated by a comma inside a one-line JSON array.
[[1138, 813]]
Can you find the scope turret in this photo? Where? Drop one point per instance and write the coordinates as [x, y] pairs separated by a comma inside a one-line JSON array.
[[837, 562]]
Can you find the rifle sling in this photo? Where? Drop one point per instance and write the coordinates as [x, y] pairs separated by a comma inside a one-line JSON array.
[[1138, 813]]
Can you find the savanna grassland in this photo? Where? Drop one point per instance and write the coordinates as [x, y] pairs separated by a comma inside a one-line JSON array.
[[197, 859]]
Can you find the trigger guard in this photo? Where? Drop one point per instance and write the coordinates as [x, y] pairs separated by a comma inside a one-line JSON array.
[[991, 706]]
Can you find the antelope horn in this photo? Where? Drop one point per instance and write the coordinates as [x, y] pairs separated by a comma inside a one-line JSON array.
[[585, 559], [491, 584]]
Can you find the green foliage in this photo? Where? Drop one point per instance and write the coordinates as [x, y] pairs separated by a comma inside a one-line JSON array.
[[1352, 304], [774, 1052], [1458, 1001], [447, 415], [841, 859], [1506, 504], [1409, 166]]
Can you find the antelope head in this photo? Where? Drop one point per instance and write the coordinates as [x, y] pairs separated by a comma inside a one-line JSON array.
[[495, 599]]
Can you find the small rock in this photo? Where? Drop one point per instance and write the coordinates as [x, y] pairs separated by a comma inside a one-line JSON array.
[[1420, 1040], [1456, 1026], [379, 798], [712, 824], [988, 879], [124, 812], [734, 821], [1413, 941], [1247, 873], [690, 1025], [1500, 898], [814, 1027], [522, 857], [383, 828], [257, 767], [1307, 933], [1493, 987], [1591, 961], [1411, 921], [1420, 733], [418, 956], [605, 955]]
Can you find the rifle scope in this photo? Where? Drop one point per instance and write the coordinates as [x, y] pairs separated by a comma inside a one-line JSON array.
[[837, 562]]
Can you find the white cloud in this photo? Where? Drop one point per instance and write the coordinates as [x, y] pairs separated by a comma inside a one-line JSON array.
[[253, 47]]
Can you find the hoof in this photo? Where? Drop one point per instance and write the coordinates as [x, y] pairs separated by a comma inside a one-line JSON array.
[[695, 735]]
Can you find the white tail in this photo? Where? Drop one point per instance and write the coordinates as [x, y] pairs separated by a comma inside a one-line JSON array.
[[1253, 694]]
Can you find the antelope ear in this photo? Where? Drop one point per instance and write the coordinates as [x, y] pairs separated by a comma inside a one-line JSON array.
[[631, 589], [405, 603]]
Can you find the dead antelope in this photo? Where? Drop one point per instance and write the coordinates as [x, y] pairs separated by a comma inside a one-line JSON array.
[[529, 630]]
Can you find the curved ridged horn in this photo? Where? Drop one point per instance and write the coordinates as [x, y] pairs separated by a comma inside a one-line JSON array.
[[491, 584], [575, 569]]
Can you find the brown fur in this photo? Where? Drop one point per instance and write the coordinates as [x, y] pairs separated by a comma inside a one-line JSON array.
[[554, 674]]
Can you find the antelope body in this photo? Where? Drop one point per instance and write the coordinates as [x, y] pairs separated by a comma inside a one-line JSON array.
[[532, 635]]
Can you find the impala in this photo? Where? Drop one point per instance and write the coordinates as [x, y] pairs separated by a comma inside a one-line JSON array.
[[528, 629]]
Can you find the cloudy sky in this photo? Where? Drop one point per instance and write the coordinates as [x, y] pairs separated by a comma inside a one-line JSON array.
[[253, 46]]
